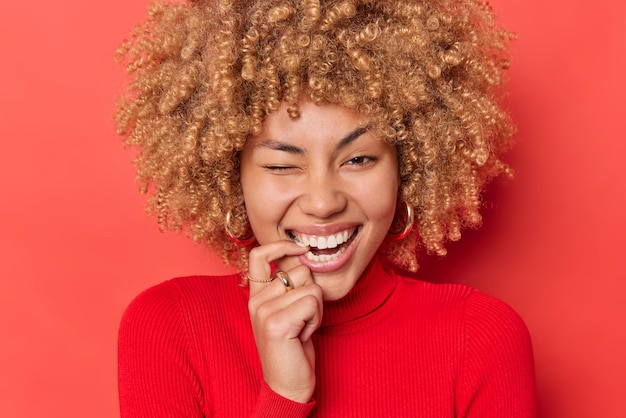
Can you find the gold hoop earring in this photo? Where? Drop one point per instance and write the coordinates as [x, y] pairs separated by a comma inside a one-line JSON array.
[[408, 225], [242, 242]]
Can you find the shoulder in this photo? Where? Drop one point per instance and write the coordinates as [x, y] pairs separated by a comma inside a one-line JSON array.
[[434, 297], [475, 306], [479, 316], [495, 355], [488, 315], [189, 287], [175, 299], [496, 339]]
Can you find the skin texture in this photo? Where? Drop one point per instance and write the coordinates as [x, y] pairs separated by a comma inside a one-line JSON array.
[[314, 175]]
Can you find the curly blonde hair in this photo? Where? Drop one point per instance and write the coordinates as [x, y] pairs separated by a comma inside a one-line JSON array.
[[205, 74]]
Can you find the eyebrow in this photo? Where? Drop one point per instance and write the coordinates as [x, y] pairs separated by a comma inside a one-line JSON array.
[[352, 136], [292, 149]]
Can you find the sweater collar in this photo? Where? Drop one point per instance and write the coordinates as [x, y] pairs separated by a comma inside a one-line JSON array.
[[372, 289]]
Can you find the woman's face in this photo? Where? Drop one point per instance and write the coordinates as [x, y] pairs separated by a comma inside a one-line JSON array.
[[322, 180]]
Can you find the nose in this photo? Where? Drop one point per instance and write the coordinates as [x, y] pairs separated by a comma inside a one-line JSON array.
[[324, 196]]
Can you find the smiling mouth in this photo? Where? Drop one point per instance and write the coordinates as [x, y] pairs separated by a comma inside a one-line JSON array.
[[324, 248]]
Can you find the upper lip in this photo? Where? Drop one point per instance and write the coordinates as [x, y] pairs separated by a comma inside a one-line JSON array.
[[322, 238]]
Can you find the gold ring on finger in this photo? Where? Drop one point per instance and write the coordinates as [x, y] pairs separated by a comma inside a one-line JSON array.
[[284, 277]]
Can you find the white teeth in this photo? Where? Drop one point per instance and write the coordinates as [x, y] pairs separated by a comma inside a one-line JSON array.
[[312, 256], [314, 241], [323, 257]]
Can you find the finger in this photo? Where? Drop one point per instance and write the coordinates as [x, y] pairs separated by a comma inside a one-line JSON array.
[[297, 319], [314, 320], [260, 258], [297, 277], [304, 304], [283, 278], [276, 296], [300, 276]]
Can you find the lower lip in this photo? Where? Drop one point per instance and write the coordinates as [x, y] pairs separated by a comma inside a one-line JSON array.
[[335, 264]]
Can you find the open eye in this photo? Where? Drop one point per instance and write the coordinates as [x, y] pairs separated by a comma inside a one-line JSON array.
[[361, 160]]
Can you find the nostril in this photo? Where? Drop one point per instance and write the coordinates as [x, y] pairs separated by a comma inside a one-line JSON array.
[[323, 201]]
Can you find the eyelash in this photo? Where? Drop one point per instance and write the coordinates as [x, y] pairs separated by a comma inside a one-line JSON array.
[[278, 167], [361, 159], [354, 161]]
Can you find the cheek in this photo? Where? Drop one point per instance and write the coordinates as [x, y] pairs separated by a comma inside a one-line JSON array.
[[386, 207], [265, 205], [379, 199], [386, 186]]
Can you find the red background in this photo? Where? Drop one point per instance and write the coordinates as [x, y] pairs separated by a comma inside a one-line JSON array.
[[75, 246]]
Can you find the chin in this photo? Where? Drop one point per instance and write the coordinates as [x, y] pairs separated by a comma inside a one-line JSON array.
[[333, 291]]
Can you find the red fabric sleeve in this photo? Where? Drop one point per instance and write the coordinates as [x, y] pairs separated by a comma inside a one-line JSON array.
[[272, 405], [497, 370], [156, 377]]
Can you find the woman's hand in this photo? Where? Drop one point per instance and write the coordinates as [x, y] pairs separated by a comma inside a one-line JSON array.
[[284, 320]]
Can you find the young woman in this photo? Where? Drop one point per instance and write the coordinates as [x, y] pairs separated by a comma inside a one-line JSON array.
[[317, 145]]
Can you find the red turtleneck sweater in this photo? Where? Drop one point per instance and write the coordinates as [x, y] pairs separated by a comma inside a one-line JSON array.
[[393, 347]]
